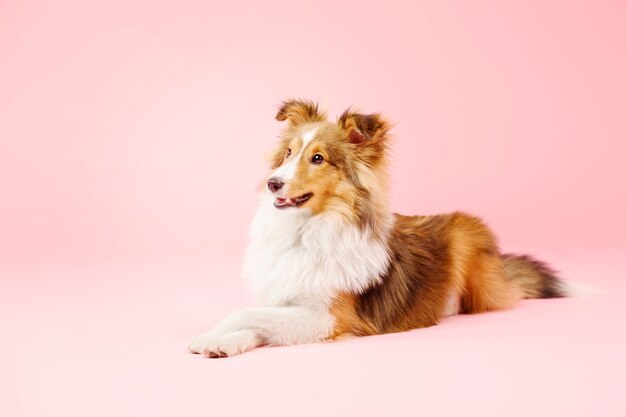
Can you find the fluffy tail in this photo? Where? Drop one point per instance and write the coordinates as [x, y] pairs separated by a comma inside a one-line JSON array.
[[534, 278]]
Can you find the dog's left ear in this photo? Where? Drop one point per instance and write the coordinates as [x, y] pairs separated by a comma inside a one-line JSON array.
[[363, 129], [299, 112]]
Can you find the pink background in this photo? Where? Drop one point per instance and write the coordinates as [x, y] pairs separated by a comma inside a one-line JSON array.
[[133, 135]]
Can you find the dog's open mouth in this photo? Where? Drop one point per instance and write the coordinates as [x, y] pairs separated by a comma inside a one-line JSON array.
[[280, 203]]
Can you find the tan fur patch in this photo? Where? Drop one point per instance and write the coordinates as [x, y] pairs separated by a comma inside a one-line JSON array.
[[477, 271]]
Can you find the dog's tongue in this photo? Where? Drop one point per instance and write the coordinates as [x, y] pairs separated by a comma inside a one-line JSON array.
[[283, 202]]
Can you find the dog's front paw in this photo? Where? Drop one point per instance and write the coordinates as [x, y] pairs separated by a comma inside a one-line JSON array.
[[223, 345], [205, 343]]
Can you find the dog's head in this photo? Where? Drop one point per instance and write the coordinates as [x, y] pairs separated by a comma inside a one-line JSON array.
[[321, 165]]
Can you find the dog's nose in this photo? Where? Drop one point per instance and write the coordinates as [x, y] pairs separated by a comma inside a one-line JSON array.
[[274, 184]]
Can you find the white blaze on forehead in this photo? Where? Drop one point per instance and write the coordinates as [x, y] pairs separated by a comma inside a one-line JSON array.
[[287, 171], [308, 137]]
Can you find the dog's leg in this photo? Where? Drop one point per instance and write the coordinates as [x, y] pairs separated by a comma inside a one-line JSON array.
[[246, 329]]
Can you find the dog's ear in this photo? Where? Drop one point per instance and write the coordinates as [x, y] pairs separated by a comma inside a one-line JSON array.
[[298, 112], [363, 129]]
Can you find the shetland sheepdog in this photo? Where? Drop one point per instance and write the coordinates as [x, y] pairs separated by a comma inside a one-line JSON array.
[[327, 258]]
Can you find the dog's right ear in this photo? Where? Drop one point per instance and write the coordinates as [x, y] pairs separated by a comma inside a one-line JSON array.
[[298, 112]]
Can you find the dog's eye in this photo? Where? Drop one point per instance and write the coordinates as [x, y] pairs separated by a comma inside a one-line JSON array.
[[288, 152], [317, 159]]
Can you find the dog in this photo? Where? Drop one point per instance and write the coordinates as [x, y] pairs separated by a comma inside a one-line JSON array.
[[328, 259]]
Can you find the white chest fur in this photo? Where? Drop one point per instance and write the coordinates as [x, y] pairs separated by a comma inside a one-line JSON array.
[[296, 258]]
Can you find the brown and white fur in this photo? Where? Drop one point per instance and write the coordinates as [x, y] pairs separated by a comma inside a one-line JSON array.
[[328, 258]]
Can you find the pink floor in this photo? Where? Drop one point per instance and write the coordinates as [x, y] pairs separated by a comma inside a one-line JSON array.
[[110, 341]]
